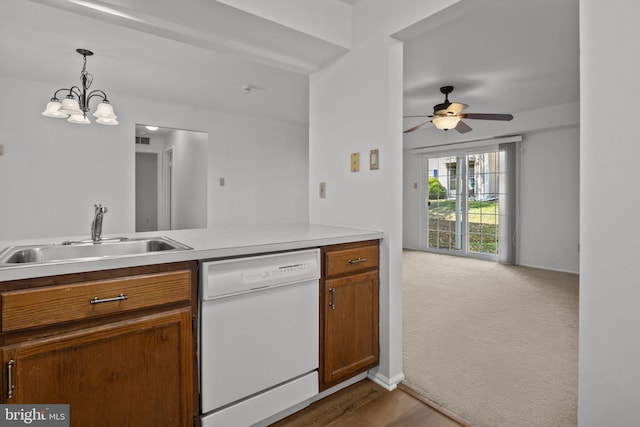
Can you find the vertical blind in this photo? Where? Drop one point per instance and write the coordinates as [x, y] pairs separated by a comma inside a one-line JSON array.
[[508, 200]]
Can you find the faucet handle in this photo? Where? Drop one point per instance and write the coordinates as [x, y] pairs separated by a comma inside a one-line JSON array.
[[100, 208]]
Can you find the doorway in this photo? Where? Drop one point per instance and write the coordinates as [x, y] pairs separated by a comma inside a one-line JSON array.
[[171, 181], [462, 204], [146, 191]]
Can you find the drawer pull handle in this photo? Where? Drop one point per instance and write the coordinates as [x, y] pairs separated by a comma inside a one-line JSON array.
[[332, 304], [120, 297], [10, 386], [356, 261]]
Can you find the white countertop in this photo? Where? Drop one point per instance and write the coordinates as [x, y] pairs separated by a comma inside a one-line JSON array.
[[214, 242]]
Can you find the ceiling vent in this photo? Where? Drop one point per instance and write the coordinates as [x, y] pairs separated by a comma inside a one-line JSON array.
[[142, 140]]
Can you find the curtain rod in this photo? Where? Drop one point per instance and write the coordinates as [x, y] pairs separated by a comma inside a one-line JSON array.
[[467, 144]]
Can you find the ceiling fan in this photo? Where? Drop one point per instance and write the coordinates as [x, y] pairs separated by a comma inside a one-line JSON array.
[[448, 115]]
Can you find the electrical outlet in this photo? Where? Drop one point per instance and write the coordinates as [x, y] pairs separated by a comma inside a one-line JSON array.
[[355, 162], [323, 190]]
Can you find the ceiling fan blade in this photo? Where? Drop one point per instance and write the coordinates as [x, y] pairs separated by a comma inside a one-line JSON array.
[[417, 127], [487, 116], [462, 127]]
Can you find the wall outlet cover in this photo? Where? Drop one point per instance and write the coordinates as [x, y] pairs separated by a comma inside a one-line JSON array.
[[355, 162]]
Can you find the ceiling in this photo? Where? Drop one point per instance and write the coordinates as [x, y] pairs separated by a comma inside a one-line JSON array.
[[503, 56]]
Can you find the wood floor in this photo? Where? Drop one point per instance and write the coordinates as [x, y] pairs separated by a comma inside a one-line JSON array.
[[365, 404]]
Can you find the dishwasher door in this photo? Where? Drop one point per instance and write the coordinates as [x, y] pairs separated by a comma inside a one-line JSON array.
[[262, 337]]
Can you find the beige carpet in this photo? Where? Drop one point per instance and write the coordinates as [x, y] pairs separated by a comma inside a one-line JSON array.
[[496, 345]]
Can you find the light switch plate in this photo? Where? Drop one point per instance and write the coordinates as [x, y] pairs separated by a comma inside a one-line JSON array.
[[373, 159], [323, 190], [355, 162]]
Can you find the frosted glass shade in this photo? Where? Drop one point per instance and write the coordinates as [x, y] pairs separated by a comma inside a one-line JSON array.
[[104, 110], [446, 122], [70, 106], [106, 121], [53, 110], [79, 119]]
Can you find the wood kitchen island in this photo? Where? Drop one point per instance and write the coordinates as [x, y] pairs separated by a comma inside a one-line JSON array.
[[116, 337]]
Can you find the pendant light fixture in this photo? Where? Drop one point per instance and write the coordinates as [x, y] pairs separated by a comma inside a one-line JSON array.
[[75, 106]]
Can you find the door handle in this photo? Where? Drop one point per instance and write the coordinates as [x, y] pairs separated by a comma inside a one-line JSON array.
[[10, 386], [97, 300], [332, 304]]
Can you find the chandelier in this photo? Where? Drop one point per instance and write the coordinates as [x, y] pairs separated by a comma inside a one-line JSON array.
[[75, 106]]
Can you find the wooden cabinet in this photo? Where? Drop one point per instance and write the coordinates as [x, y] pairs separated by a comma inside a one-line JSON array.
[[126, 358], [349, 300]]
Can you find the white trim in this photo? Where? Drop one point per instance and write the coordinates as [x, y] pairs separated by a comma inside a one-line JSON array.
[[388, 384], [465, 147], [338, 387], [539, 267]]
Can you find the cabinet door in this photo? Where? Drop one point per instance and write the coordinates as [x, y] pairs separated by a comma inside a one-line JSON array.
[[131, 373], [350, 325]]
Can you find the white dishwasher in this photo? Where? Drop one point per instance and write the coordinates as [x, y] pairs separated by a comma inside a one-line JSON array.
[[258, 336]]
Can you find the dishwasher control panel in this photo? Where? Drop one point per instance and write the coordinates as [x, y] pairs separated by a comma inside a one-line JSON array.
[[239, 275]]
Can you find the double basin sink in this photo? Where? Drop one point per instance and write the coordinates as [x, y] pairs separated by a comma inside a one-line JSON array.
[[87, 249]]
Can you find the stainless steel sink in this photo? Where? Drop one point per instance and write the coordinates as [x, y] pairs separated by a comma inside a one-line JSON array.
[[81, 250]]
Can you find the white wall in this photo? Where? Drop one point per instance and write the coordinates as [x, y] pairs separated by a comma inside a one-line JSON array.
[[549, 199], [189, 192], [609, 354], [328, 20], [412, 200], [356, 106], [52, 172]]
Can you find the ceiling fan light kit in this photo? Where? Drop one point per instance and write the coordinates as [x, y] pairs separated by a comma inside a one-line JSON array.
[[449, 115], [75, 106], [445, 122]]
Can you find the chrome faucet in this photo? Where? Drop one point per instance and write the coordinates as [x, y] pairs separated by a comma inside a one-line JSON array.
[[96, 225]]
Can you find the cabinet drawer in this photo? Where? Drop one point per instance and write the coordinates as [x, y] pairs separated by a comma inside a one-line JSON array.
[[36, 307], [351, 260]]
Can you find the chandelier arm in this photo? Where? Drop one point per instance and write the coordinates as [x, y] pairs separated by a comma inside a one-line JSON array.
[[77, 92], [55, 94], [98, 93]]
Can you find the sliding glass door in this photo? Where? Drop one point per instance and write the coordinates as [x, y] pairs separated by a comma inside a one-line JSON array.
[[462, 203], [445, 219]]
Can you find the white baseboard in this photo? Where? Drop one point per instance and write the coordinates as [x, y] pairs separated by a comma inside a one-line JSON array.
[[559, 270], [388, 384]]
